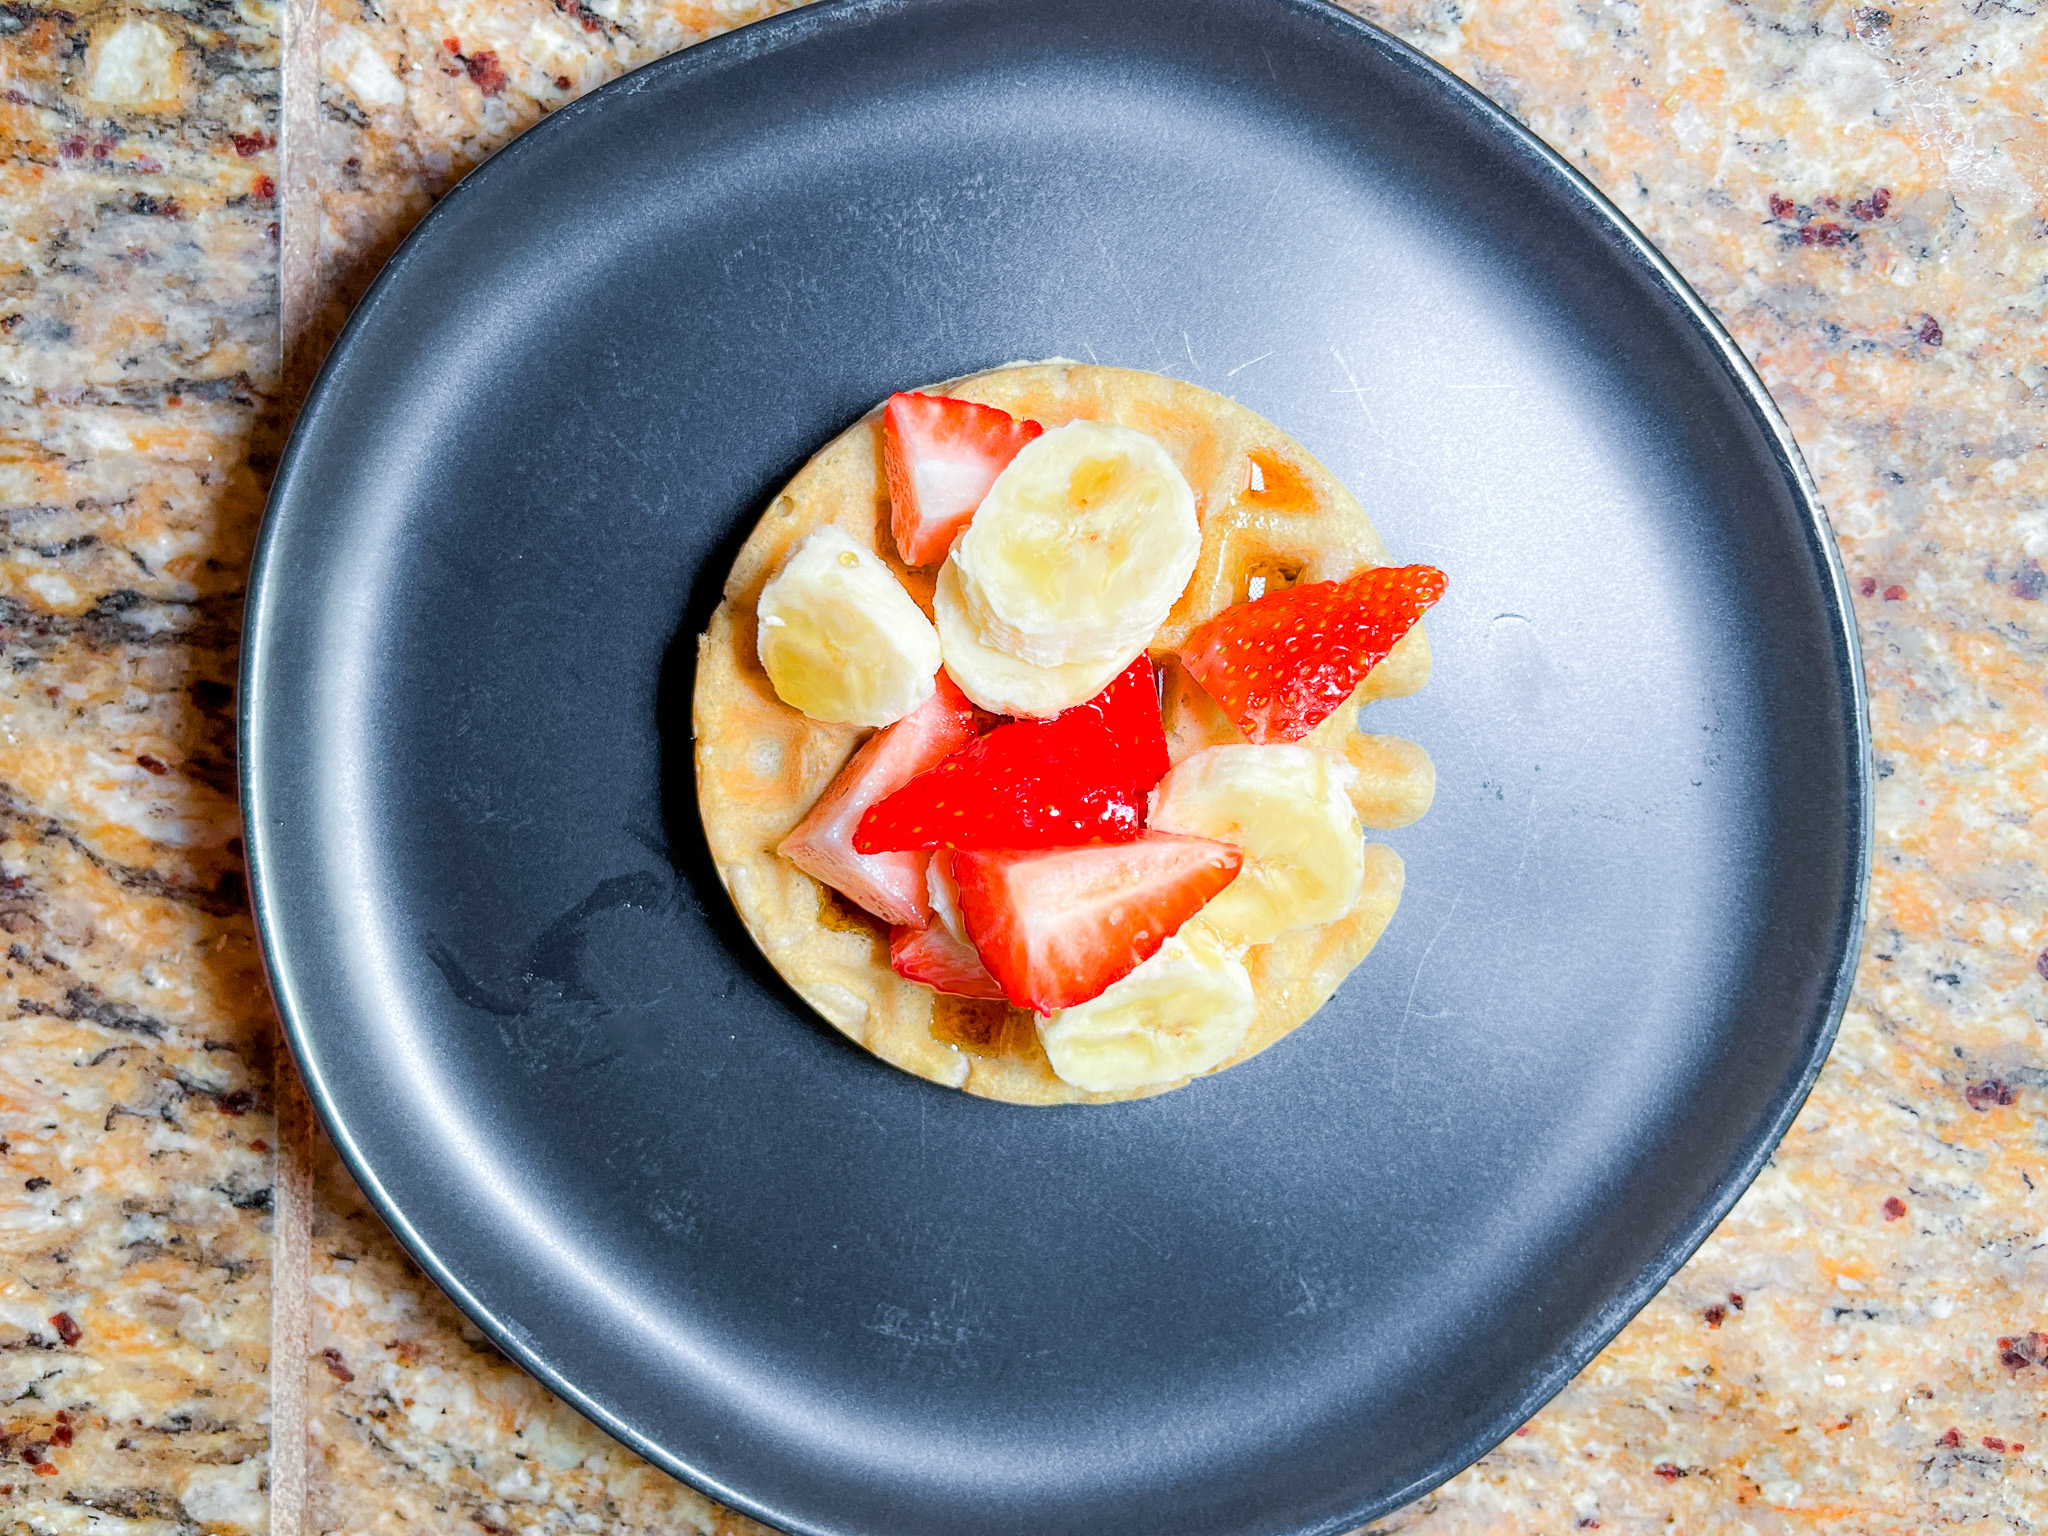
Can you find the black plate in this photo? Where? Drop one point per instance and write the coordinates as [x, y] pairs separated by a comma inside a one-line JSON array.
[[1286, 1298]]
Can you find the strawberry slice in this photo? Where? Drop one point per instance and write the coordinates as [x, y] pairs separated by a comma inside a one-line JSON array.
[[890, 885], [940, 961], [1082, 775], [942, 455], [1056, 926], [1281, 664]]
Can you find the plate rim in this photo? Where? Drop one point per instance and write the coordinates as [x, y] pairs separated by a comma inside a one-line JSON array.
[[772, 34]]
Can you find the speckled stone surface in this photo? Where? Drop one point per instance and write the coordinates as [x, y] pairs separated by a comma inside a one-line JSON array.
[[137, 315], [1861, 194]]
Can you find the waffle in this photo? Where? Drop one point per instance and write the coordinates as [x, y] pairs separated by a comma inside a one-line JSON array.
[[1270, 516]]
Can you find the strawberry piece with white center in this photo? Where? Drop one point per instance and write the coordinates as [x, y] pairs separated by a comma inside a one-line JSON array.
[[1081, 776], [940, 961], [942, 455], [1056, 926], [943, 892], [890, 885]]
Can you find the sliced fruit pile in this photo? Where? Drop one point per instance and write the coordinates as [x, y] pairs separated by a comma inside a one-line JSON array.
[[1055, 859]]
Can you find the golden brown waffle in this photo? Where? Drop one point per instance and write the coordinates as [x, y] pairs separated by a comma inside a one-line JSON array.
[[1270, 515]]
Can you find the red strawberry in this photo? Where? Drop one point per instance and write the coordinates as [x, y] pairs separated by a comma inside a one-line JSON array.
[[1081, 775], [1281, 664], [934, 957], [890, 885], [942, 455], [1056, 926]]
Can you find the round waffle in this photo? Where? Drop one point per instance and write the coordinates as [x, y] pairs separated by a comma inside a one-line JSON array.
[[1270, 516]]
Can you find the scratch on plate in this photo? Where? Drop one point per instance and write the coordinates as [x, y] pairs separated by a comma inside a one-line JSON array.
[[1356, 391], [1408, 1006]]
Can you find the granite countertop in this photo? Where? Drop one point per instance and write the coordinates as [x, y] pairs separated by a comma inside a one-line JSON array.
[[1860, 193]]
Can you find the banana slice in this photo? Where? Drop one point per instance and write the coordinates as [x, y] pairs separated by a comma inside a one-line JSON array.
[[1081, 547], [1183, 1011], [841, 639], [1001, 683], [1289, 808]]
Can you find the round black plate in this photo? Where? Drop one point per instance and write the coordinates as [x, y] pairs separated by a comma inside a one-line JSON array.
[[1284, 1299]]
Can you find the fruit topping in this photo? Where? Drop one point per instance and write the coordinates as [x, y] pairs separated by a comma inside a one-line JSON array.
[[1056, 926], [1000, 683], [942, 893], [1079, 777], [1289, 810], [1081, 547], [1279, 664], [890, 885], [943, 963], [1184, 1011], [942, 455], [841, 639]]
